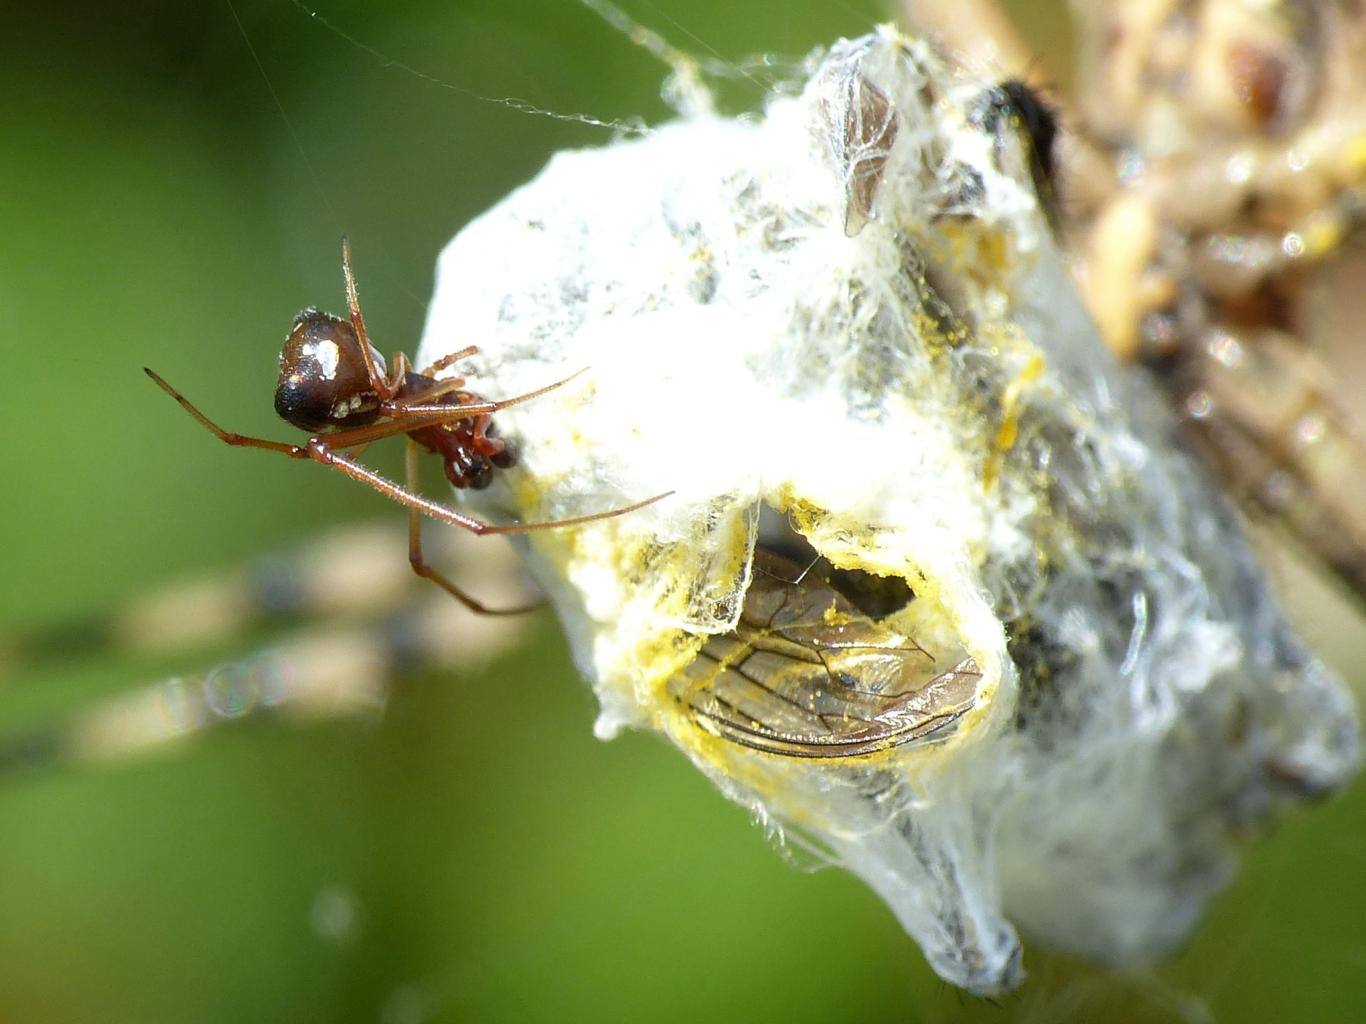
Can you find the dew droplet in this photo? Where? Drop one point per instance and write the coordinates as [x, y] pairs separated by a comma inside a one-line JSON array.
[[335, 914]]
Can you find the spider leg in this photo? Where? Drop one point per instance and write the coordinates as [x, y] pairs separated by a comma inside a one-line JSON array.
[[425, 401], [385, 388], [294, 451], [404, 421], [425, 570], [319, 451], [446, 361], [416, 404]]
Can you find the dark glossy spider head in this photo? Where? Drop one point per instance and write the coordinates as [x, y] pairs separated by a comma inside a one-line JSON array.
[[323, 382]]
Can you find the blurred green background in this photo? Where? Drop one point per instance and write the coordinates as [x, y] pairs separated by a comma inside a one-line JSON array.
[[170, 196]]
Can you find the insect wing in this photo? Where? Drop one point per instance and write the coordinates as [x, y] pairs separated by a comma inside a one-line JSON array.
[[806, 674]]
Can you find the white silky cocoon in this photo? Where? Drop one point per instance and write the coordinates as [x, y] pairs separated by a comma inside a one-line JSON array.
[[850, 311]]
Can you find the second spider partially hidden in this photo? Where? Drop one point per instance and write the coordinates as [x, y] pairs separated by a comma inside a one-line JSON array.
[[335, 385]]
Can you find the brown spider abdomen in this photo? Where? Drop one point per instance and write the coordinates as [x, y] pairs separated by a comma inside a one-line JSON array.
[[469, 452], [323, 381]]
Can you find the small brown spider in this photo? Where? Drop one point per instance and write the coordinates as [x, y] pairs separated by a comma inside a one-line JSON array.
[[334, 385]]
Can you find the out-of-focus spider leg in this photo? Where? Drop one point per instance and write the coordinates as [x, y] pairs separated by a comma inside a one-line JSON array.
[[352, 574], [330, 671]]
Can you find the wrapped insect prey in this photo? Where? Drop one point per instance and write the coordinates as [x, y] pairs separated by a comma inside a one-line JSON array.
[[935, 591]]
